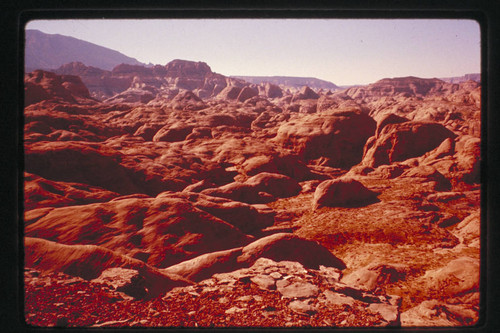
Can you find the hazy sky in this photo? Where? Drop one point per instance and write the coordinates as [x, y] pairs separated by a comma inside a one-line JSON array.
[[343, 51]]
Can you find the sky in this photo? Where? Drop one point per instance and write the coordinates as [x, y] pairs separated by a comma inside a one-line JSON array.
[[343, 51]]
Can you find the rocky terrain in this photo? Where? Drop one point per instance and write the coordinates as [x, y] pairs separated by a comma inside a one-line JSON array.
[[173, 196]]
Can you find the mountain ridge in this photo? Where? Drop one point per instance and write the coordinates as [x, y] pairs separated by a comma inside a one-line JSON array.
[[290, 81], [50, 51]]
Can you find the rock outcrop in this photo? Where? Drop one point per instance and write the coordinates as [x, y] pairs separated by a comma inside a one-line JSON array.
[[338, 136], [343, 192], [401, 141]]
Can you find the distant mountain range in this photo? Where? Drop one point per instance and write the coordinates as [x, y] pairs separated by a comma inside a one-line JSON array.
[[48, 52], [467, 77], [291, 81]]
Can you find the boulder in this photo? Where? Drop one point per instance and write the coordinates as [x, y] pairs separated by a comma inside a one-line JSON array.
[[468, 156], [343, 192], [338, 136], [468, 231], [283, 246], [458, 277], [432, 313], [206, 265], [126, 280], [401, 141]]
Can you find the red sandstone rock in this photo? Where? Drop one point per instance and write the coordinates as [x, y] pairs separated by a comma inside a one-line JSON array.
[[170, 230], [343, 192], [272, 91], [90, 261], [338, 136], [250, 219], [229, 93], [399, 142], [40, 192], [376, 275], [428, 174], [280, 186], [246, 93], [289, 247], [305, 93], [41, 85]]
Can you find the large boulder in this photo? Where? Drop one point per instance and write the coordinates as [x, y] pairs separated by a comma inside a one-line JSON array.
[[343, 192], [468, 155], [284, 246], [337, 136], [434, 313], [401, 141], [469, 230], [206, 265], [458, 277]]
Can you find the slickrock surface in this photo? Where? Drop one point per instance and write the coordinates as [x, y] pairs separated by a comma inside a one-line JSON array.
[[174, 196]]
